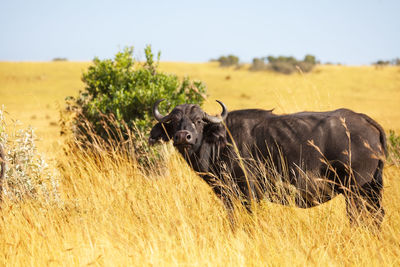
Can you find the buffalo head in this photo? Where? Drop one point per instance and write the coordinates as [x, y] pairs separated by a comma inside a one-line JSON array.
[[189, 127]]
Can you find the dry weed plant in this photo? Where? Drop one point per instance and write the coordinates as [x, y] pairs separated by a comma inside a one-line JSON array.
[[27, 173]]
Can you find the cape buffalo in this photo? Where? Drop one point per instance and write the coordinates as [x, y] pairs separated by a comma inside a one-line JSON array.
[[316, 155]]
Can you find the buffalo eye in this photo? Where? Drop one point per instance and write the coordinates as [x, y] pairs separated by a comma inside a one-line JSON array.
[[198, 122]]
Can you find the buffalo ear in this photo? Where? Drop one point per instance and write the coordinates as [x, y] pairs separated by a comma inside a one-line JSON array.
[[215, 133], [160, 131]]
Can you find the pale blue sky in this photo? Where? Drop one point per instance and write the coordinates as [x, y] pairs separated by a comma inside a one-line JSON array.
[[350, 32]]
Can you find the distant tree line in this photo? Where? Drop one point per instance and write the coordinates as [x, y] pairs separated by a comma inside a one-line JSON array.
[[227, 61], [395, 62], [60, 59], [284, 64], [281, 64]]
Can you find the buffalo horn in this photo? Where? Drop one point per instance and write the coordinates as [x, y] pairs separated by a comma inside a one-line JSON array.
[[215, 119], [157, 114]]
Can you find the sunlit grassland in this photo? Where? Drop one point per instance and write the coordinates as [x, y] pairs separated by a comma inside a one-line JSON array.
[[114, 213], [32, 91]]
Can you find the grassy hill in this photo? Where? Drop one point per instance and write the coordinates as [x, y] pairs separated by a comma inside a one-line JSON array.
[[112, 212]]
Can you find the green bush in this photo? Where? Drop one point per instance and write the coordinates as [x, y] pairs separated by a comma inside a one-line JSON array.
[[227, 61], [119, 94], [305, 66], [258, 64], [284, 67], [394, 147], [310, 59]]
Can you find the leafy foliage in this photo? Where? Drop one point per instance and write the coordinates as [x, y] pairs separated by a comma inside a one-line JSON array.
[[258, 64], [227, 61], [125, 90], [394, 147]]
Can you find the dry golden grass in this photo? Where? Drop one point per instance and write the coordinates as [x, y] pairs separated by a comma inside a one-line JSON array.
[[113, 213]]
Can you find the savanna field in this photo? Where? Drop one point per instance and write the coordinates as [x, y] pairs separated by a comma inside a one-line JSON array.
[[111, 212]]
